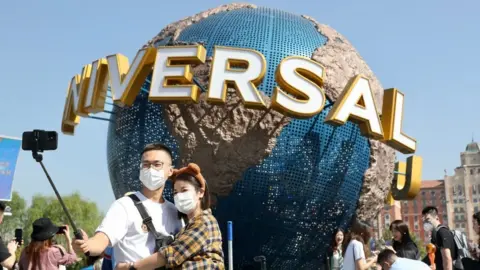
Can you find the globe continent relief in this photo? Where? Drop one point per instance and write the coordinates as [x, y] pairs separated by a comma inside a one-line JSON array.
[[286, 183]]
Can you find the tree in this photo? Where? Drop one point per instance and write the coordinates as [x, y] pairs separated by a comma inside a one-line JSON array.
[[420, 244], [84, 213], [16, 220]]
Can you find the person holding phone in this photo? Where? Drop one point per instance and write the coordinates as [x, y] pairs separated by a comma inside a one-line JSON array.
[[7, 253], [41, 253], [355, 257]]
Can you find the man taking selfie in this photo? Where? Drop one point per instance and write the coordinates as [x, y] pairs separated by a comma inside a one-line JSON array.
[[7, 253], [124, 227]]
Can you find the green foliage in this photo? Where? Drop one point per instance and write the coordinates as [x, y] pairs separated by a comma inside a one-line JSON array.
[[85, 214], [420, 244], [17, 220]]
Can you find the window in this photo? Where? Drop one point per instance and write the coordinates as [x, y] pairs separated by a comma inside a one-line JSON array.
[[475, 200], [423, 193], [478, 170], [432, 193], [445, 218], [460, 200], [405, 219], [471, 171], [456, 209], [454, 201], [463, 225], [416, 227], [476, 209], [416, 218]]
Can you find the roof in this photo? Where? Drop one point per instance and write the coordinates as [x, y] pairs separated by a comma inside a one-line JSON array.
[[431, 184], [472, 147]]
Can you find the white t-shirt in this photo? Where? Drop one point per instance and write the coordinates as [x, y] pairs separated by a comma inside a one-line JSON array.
[[123, 226], [402, 263], [353, 253]]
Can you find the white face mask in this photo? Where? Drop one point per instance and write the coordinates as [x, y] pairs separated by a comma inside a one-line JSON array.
[[152, 178], [427, 226], [186, 202]]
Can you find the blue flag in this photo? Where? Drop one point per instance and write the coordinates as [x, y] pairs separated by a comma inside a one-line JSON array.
[[9, 150]]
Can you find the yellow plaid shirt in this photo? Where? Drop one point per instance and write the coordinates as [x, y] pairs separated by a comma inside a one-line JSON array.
[[198, 246]]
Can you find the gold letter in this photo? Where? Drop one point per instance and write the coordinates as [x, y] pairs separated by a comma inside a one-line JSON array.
[[125, 80], [242, 69], [407, 179], [301, 80], [392, 118], [70, 119], [172, 75], [97, 87], [356, 102]]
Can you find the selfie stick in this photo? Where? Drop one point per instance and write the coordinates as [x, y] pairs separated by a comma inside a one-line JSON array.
[[38, 157], [230, 245], [76, 232]]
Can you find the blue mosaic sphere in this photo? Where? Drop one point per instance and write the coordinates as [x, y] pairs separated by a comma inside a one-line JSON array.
[[287, 207]]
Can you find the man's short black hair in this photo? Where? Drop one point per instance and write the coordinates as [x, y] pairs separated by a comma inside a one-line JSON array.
[[430, 210], [3, 206], [157, 146], [386, 255]]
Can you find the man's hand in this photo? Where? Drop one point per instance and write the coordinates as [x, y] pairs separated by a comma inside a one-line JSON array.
[[81, 246], [12, 246], [122, 266]]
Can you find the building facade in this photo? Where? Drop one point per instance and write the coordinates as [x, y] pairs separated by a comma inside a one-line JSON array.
[[432, 193], [387, 215], [463, 191]]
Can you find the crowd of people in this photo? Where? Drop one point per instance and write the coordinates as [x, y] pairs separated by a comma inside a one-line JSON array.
[[350, 251], [142, 230]]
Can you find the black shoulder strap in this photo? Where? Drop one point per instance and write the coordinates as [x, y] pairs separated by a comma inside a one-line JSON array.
[[61, 250], [147, 219]]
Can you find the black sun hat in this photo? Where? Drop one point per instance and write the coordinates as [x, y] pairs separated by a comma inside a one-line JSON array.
[[43, 229]]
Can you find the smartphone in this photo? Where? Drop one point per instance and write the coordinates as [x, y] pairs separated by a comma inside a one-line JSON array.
[[19, 236], [62, 229]]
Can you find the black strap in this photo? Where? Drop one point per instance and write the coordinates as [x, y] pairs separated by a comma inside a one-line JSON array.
[[147, 219]]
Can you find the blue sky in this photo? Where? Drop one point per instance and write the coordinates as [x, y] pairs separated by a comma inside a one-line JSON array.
[[428, 49]]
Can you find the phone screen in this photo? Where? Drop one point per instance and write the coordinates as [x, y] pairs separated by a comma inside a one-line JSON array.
[[61, 229], [18, 236]]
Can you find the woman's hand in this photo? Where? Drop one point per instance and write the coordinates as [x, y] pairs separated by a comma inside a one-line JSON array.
[[122, 266], [12, 246], [67, 234]]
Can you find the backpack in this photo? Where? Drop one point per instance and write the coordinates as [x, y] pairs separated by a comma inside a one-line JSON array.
[[461, 247]]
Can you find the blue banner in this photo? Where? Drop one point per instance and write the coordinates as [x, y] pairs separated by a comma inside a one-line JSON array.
[[9, 150]]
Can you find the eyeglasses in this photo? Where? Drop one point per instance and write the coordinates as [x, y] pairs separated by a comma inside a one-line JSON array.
[[158, 165]]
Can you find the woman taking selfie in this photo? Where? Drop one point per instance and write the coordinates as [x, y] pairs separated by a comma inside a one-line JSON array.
[[41, 253], [402, 242], [199, 244]]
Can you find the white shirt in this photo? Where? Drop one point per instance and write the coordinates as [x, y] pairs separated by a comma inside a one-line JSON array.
[[408, 264], [123, 227], [353, 253]]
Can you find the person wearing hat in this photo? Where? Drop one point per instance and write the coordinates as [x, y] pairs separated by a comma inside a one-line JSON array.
[[7, 253], [41, 253], [199, 244]]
